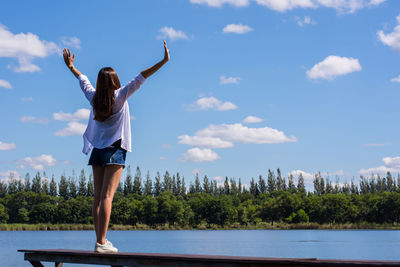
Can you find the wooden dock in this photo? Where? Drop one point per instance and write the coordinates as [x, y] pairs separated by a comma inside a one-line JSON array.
[[60, 256]]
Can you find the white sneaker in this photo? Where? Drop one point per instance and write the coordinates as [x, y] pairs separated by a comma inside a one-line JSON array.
[[105, 248]]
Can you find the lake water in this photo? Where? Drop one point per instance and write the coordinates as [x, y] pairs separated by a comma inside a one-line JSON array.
[[324, 244]]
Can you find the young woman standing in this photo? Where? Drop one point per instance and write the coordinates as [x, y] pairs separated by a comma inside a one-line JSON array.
[[108, 133]]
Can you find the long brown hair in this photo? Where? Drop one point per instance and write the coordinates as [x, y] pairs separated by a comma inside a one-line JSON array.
[[103, 99]]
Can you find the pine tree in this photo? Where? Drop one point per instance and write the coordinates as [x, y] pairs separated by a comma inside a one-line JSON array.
[[82, 184], [72, 188], [227, 189], [20, 185], [45, 184], [128, 187], [178, 184], [300, 184], [167, 186], [281, 183], [262, 186], [253, 187], [391, 186], [240, 186], [53, 187], [271, 181], [206, 185], [3, 189], [36, 183], [157, 185], [234, 189], [148, 185], [137, 182], [63, 187], [120, 188], [27, 182], [192, 189], [90, 186], [12, 184], [197, 185], [328, 186], [174, 186], [183, 187], [353, 188], [291, 186]]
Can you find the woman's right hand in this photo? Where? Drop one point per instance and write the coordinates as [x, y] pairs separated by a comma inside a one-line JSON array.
[[68, 59]]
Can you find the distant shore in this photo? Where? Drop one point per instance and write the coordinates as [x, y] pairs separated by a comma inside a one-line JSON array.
[[261, 226]]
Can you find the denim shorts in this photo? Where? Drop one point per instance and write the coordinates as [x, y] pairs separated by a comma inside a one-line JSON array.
[[113, 154]]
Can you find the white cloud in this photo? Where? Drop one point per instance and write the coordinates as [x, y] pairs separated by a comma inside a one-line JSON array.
[[391, 39], [162, 158], [171, 33], [71, 41], [204, 141], [333, 66], [390, 165], [243, 134], [26, 99], [5, 84], [80, 114], [396, 79], [67, 162], [200, 155], [377, 144], [307, 20], [7, 146], [38, 163], [219, 3], [9, 176], [206, 103], [219, 178], [25, 47], [237, 28], [252, 119], [285, 5], [33, 119], [342, 6], [196, 171], [73, 128], [228, 80]]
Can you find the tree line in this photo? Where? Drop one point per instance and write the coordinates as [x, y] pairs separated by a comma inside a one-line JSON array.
[[167, 200]]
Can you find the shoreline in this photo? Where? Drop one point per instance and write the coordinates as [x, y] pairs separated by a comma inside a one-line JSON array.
[[261, 226]]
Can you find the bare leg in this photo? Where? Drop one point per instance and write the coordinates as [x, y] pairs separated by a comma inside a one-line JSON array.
[[112, 175], [98, 174]]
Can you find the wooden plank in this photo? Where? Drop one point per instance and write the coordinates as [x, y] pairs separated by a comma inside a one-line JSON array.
[[184, 260]]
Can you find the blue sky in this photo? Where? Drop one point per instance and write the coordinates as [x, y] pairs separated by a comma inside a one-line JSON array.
[[304, 86]]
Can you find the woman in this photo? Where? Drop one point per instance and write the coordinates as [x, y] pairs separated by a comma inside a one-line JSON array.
[[109, 134]]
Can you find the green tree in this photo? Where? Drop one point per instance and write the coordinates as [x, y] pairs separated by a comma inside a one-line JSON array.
[[36, 183], [53, 187], [128, 186], [148, 185], [157, 185], [197, 185], [262, 186], [82, 187], [63, 187], [167, 183], [90, 186], [137, 182], [206, 185], [27, 182], [3, 214], [271, 182]]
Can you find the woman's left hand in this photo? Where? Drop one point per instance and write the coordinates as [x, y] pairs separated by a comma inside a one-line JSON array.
[[166, 52], [68, 59]]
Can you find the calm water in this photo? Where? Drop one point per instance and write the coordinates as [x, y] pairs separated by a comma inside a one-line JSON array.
[[339, 244]]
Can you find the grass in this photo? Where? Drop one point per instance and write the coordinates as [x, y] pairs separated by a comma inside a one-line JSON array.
[[235, 226]]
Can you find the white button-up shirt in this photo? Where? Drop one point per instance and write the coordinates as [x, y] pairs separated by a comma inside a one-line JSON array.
[[118, 126]]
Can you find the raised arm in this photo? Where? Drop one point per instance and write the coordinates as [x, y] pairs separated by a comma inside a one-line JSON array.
[[150, 71], [69, 61]]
